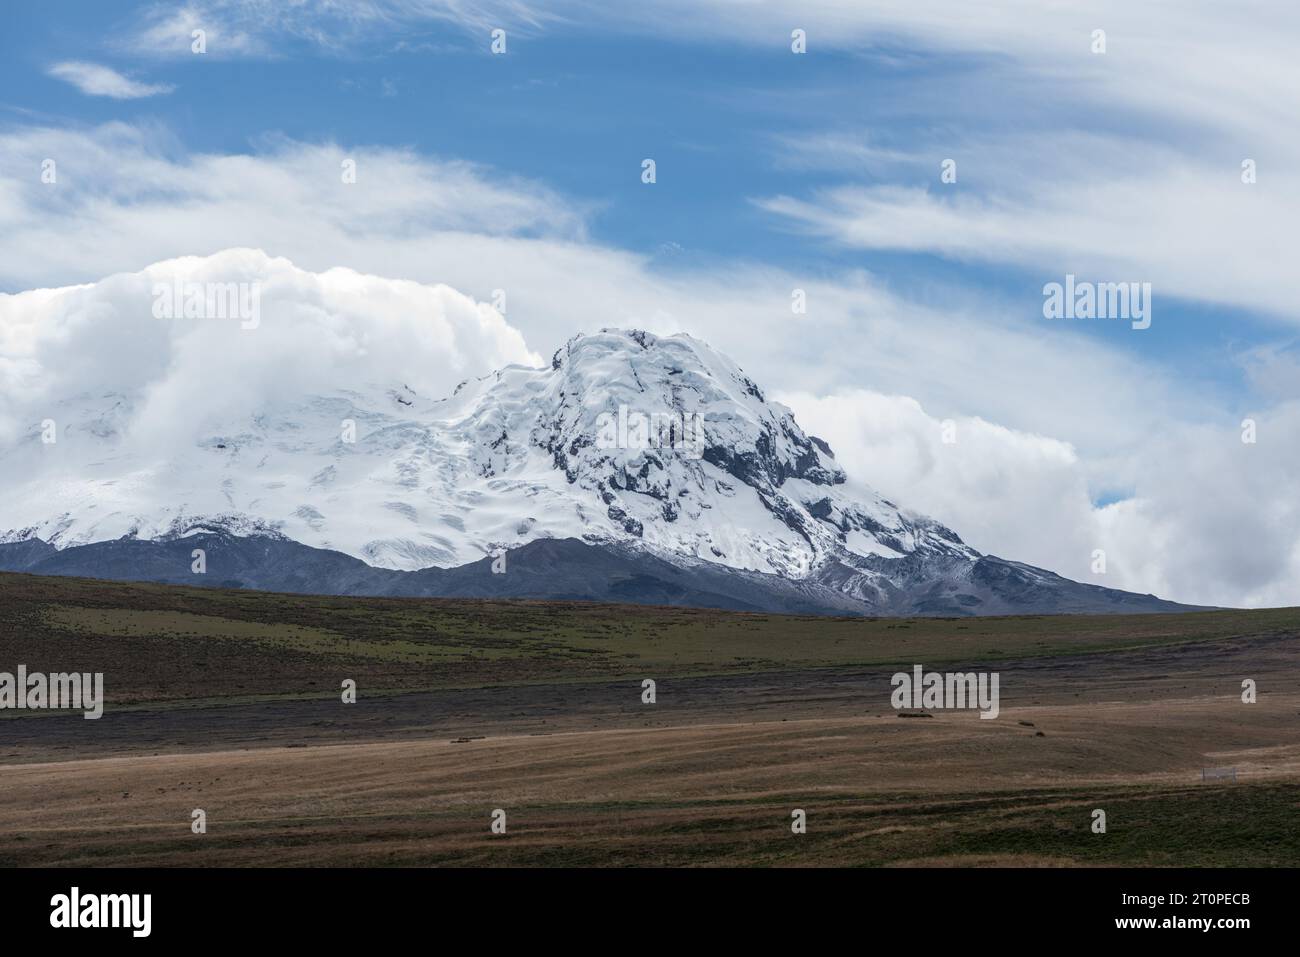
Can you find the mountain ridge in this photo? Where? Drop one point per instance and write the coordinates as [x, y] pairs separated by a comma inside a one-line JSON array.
[[552, 569]]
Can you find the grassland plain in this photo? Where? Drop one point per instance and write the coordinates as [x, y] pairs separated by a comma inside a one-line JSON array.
[[229, 701], [162, 642]]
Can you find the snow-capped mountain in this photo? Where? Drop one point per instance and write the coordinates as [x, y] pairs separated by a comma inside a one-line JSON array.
[[654, 449], [407, 481]]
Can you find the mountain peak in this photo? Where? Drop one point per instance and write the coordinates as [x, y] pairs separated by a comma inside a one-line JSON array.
[[660, 442]]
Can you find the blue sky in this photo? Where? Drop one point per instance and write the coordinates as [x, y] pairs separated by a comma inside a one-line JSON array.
[[579, 108], [774, 171]]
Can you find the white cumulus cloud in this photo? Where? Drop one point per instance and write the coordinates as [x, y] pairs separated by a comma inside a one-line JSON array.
[[315, 334], [1209, 519]]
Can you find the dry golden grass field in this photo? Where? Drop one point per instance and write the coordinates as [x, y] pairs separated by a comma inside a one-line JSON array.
[[229, 702]]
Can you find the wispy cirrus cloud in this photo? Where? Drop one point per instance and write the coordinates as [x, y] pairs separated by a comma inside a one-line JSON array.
[[1108, 207], [263, 28], [1157, 151], [94, 79], [1068, 159]]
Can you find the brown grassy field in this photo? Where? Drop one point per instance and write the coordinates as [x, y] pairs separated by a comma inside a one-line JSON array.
[[226, 701], [167, 643]]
